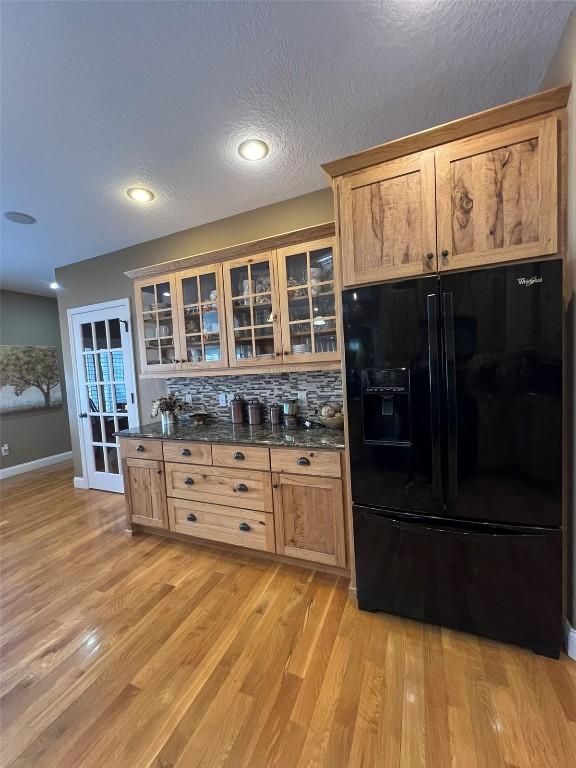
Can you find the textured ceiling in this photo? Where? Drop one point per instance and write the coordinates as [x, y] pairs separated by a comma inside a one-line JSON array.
[[100, 96]]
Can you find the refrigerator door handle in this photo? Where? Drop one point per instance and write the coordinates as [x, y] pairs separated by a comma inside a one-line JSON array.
[[451, 403], [434, 383]]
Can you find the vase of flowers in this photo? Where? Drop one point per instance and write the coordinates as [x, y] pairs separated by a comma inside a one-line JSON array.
[[169, 409]]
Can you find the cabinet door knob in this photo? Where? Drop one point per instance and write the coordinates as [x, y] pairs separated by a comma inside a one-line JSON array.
[[275, 485], [140, 448], [239, 456], [191, 517], [244, 527], [242, 487], [444, 254], [303, 461], [185, 452], [429, 256], [189, 481]]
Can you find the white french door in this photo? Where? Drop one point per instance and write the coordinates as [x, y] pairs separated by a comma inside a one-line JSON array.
[[106, 392]]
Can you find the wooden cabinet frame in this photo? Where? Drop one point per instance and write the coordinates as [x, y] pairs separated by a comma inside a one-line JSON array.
[[169, 278], [337, 557], [546, 206], [424, 240], [220, 302], [151, 494], [276, 358], [281, 255]]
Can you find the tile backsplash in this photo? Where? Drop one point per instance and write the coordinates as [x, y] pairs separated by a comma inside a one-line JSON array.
[[271, 388]]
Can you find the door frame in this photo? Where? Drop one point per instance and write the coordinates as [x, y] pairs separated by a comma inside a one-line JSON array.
[[72, 313]]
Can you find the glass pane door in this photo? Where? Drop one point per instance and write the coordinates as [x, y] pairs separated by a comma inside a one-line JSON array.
[[104, 397], [310, 302], [253, 312], [202, 319], [159, 334]]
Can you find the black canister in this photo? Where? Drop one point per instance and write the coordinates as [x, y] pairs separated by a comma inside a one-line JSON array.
[[275, 414], [254, 412], [237, 410]]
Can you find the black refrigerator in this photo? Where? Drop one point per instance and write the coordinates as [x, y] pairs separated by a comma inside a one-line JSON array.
[[454, 388]]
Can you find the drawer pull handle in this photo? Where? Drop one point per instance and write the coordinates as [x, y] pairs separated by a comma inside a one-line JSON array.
[[242, 487], [244, 527], [239, 456], [275, 485], [444, 254], [303, 461], [191, 517], [189, 481], [140, 448], [184, 452]]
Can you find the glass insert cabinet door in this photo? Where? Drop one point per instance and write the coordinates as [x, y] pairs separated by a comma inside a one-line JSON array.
[[252, 311], [201, 318], [308, 297], [158, 336]]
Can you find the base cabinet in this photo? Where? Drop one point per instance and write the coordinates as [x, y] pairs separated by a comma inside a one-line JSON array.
[[145, 492], [288, 511], [309, 518]]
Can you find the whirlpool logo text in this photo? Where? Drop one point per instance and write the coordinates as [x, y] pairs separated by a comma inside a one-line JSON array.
[[527, 281]]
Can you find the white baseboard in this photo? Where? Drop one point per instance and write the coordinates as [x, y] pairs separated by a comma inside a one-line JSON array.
[[29, 466], [570, 641], [80, 482]]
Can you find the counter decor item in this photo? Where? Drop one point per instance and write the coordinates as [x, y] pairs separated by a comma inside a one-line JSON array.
[[198, 419], [254, 412], [237, 410], [169, 409], [275, 414], [330, 415]]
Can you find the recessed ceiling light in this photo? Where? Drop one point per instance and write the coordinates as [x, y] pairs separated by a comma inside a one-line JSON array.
[[54, 285], [253, 149], [19, 218], [140, 194]]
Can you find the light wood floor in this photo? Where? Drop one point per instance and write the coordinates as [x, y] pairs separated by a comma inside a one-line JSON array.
[[142, 652]]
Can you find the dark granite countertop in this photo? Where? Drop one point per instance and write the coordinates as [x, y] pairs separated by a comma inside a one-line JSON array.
[[226, 432]]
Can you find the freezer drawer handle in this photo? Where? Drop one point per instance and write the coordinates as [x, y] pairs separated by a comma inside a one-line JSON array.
[[491, 533]]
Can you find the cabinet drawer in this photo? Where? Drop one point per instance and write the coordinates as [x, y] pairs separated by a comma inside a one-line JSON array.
[[241, 457], [217, 485], [187, 453], [244, 528], [141, 449], [303, 462]]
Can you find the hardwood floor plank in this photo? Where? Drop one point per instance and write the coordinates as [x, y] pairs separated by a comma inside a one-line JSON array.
[[151, 653]]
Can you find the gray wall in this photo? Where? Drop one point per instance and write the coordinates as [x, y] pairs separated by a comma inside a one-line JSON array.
[[32, 321], [562, 70], [103, 279]]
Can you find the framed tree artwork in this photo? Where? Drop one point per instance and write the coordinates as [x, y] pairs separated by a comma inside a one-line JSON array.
[[29, 379]]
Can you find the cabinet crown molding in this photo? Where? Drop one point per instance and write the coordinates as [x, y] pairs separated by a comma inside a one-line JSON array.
[[317, 232], [496, 117]]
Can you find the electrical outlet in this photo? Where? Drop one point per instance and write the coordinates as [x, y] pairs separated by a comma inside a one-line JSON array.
[[303, 398], [5, 450], [222, 399]]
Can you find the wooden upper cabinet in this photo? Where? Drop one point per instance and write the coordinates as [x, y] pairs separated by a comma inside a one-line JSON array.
[[200, 307], [497, 195], [309, 302], [387, 221], [158, 324], [252, 317]]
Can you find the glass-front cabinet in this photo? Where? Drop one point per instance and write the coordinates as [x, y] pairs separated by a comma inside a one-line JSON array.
[[200, 301], [251, 292], [308, 302], [159, 333]]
